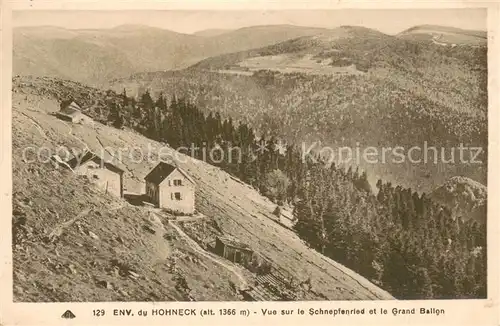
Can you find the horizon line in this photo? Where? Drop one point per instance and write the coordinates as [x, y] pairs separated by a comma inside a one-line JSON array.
[[228, 30]]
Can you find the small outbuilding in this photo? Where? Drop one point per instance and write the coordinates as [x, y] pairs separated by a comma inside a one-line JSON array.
[[72, 112], [105, 175], [233, 250], [170, 187]]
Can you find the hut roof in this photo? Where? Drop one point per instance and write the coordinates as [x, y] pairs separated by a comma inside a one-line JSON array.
[[163, 170], [228, 241], [90, 156], [70, 109]]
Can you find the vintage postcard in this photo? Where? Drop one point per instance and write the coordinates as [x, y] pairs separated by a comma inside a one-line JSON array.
[[249, 163]]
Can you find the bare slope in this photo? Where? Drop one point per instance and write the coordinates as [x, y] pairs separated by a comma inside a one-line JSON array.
[[218, 196], [444, 35], [324, 44]]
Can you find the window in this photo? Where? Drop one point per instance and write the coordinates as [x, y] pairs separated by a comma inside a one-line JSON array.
[[178, 182], [177, 196]]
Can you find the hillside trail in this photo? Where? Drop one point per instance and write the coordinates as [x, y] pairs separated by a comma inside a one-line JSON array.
[[59, 229], [435, 40], [71, 134], [36, 124], [197, 248]]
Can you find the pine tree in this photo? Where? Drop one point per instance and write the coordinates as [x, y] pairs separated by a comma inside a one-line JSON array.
[[115, 116], [125, 99]]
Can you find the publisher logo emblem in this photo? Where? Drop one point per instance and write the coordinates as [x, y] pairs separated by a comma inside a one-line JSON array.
[[68, 315]]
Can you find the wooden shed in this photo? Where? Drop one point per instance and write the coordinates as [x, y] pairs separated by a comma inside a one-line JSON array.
[[233, 250], [71, 111]]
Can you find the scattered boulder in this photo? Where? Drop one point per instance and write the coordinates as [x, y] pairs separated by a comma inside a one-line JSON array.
[[149, 229], [72, 268], [155, 220], [104, 284], [133, 275], [169, 236], [93, 235], [116, 271], [123, 293], [26, 202]]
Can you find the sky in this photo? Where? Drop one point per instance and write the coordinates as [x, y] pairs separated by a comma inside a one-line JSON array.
[[390, 21]]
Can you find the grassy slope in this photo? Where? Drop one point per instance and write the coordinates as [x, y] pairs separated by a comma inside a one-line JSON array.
[[218, 196]]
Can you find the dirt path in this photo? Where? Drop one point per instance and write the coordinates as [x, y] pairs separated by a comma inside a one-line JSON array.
[[40, 129], [120, 206], [196, 247], [70, 132], [196, 217]]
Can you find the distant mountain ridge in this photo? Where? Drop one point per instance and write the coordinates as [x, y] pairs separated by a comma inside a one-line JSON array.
[[328, 43], [325, 43], [445, 29], [95, 56], [444, 35], [211, 32]]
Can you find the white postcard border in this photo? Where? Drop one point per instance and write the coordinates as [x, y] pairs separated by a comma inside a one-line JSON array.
[[458, 312]]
